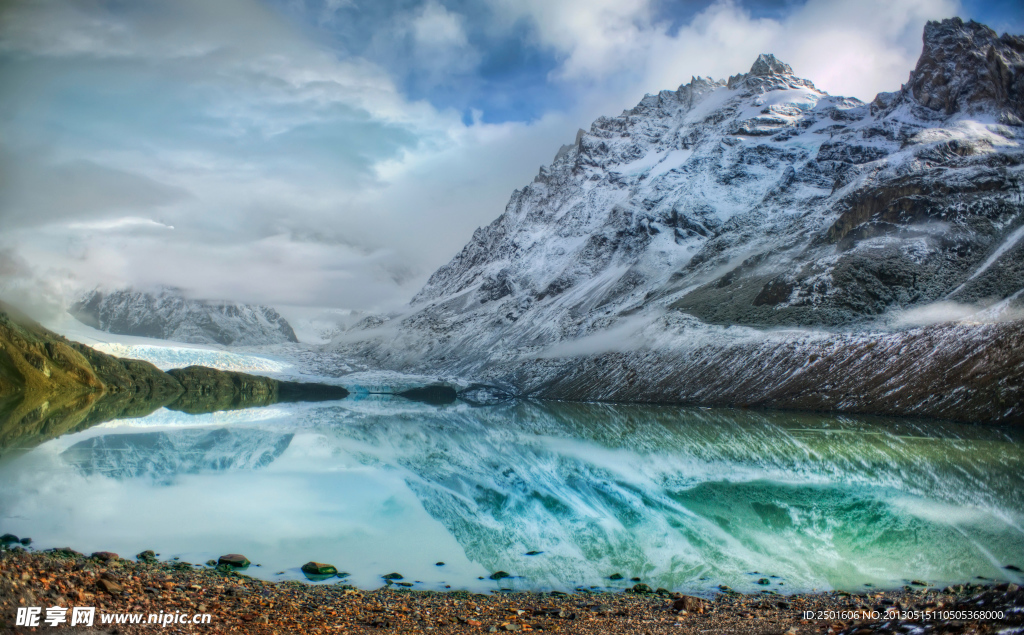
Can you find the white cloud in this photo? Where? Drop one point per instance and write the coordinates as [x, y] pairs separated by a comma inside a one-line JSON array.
[[595, 37], [721, 41], [34, 191], [216, 147], [860, 48], [428, 45], [441, 48], [934, 313], [218, 120], [847, 48], [436, 27]]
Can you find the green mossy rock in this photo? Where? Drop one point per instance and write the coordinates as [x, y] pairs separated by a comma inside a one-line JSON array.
[[233, 560], [319, 568]]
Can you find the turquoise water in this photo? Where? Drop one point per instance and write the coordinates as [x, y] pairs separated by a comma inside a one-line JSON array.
[[683, 498]]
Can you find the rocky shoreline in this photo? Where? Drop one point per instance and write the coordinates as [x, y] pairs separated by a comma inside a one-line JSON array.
[[239, 604]]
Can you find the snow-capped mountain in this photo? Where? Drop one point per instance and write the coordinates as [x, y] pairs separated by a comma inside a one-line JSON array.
[[166, 314], [706, 214]]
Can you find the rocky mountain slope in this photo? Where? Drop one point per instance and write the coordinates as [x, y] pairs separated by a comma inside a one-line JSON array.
[[707, 218], [168, 315]]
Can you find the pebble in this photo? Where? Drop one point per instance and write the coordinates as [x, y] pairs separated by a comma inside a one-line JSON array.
[[689, 604], [247, 606], [109, 586]]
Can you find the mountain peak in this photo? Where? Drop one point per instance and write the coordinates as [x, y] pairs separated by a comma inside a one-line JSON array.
[[768, 73], [768, 64], [966, 67]]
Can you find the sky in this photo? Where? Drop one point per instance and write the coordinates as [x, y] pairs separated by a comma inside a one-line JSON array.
[[334, 153]]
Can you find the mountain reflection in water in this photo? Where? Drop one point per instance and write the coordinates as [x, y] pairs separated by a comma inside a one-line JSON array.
[[161, 455], [683, 498]]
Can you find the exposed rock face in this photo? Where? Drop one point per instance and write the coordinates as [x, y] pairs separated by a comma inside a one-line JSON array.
[[170, 316], [968, 68], [757, 202], [767, 64], [945, 372]]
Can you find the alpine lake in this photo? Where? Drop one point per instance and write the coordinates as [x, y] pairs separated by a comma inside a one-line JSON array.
[[536, 495]]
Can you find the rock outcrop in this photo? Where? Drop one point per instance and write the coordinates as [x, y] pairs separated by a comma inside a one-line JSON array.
[[967, 68]]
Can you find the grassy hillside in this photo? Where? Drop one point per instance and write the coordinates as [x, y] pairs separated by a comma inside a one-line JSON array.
[[50, 386]]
